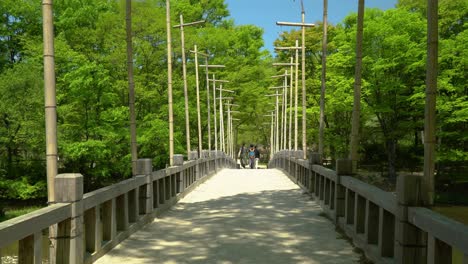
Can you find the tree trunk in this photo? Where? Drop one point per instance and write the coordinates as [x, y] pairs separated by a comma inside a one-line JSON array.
[[354, 140], [391, 145]]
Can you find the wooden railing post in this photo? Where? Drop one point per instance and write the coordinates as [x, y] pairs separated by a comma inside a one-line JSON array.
[[145, 167], [92, 220], [69, 189], [178, 161], [314, 159], [121, 206], [29, 251], [343, 167], [410, 241], [109, 220], [132, 203]]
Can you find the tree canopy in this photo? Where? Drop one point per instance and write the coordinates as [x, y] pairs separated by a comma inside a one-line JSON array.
[[92, 93]]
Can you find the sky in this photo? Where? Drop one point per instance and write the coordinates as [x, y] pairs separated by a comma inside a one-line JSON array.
[[265, 13]]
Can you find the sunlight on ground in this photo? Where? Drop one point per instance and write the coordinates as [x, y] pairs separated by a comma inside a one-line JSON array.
[[238, 216]]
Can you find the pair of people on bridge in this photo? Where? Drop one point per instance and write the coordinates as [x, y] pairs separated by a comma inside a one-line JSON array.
[[251, 155]]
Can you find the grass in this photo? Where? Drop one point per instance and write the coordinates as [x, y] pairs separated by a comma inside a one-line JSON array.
[[12, 213], [458, 213]]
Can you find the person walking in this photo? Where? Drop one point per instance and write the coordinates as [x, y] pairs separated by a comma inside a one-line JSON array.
[[241, 155], [252, 156], [257, 157]]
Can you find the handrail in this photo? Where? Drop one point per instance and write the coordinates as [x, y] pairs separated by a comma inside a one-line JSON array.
[[18, 228], [122, 208], [450, 231], [382, 198], [383, 224]]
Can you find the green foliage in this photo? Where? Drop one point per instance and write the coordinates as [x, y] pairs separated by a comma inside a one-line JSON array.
[[92, 88], [91, 84], [393, 89]]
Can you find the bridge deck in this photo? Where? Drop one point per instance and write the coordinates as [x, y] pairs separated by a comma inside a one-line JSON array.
[[238, 216]]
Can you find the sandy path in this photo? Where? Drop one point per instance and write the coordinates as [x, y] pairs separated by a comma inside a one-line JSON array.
[[238, 216]]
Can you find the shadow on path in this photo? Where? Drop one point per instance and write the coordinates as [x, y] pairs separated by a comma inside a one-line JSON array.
[[262, 226]]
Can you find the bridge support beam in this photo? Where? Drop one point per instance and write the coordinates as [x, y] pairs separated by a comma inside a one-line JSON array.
[[410, 242], [69, 189], [314, 159], [343, 167], [178, 160], [145, 168]]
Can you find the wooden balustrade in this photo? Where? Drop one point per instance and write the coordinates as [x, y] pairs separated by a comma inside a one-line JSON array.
[[90, 225], [388, 227]]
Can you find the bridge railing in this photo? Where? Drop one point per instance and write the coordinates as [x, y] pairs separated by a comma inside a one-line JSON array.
[[90, 225], [388, 227]]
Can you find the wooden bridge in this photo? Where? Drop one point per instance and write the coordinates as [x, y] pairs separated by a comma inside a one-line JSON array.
[[239, 216]]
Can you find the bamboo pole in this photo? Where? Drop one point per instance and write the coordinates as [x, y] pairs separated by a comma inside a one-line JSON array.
[[271, 137], [296, 96], [200, 140], [277, 143], [324, 77], [169, 83], [208, 103], [430, 107], [290, 103], [184, 75], [281, 112], [285, 108], [214, 115], [221, 119], [304, 100], [50, 105], [131, 88], [50, 108], [354, 142], [229, 130]]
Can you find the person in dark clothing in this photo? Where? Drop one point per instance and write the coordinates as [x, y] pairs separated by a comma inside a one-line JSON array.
[[241, 155], [257, 157]]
